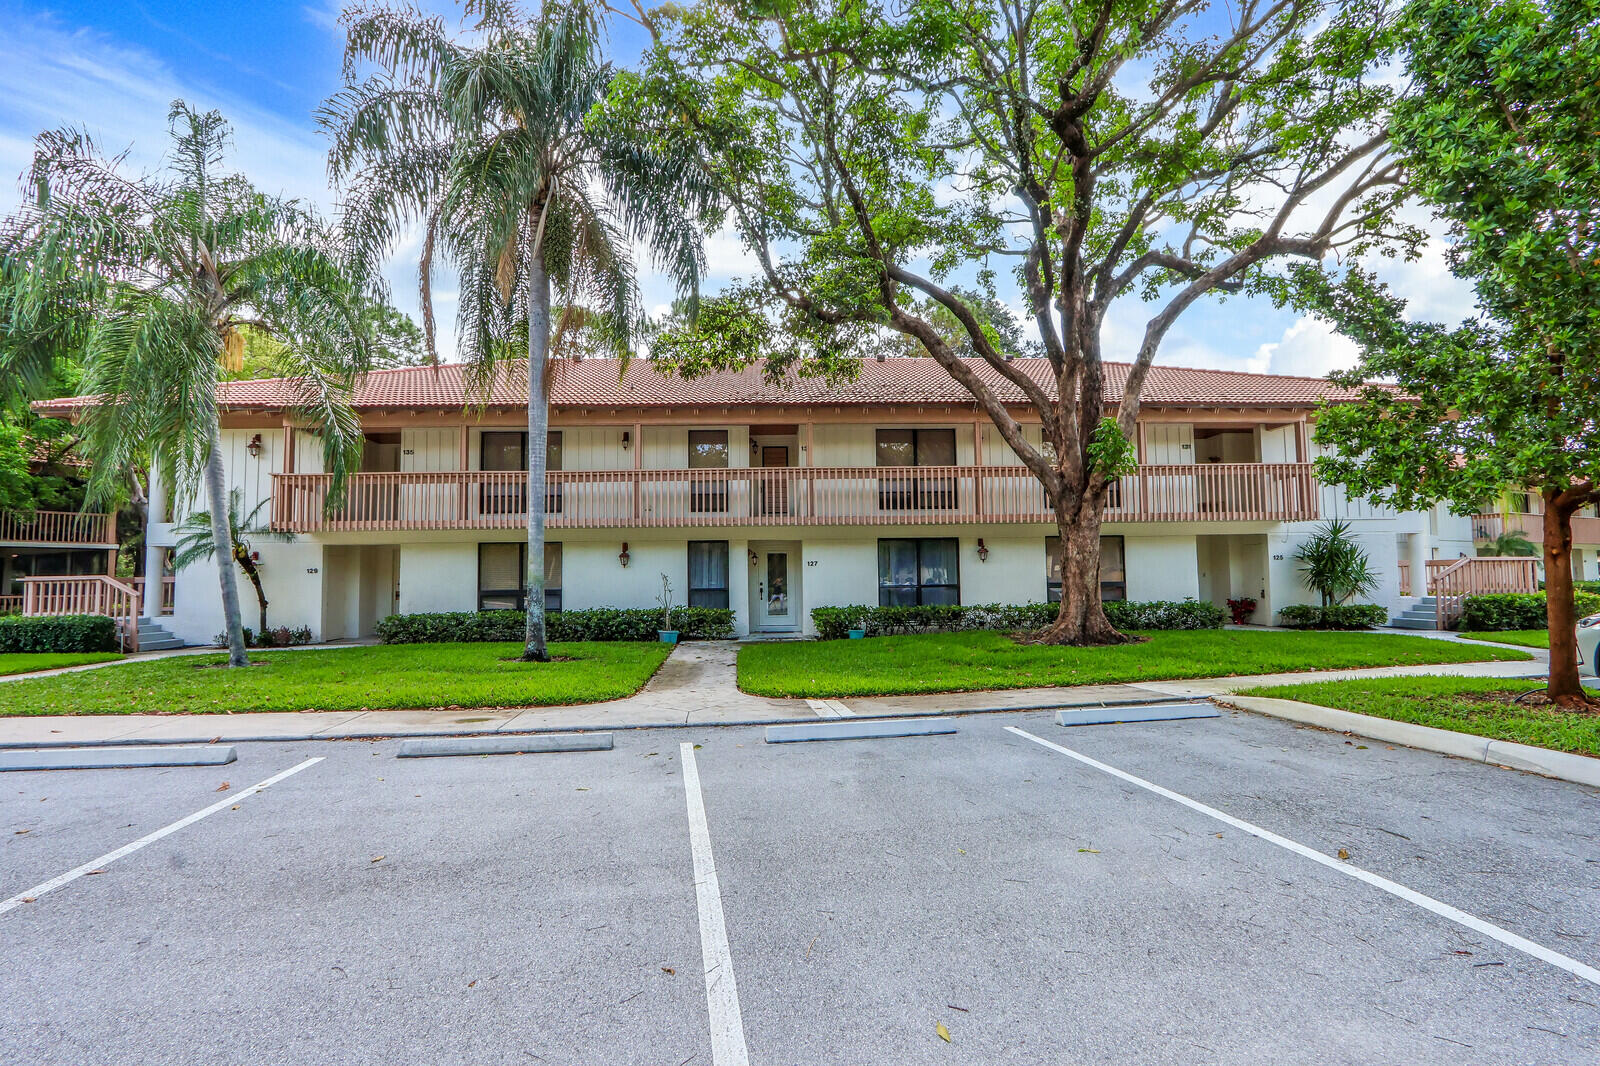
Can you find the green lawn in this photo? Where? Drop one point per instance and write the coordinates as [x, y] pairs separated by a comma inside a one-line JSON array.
[[1448, 703], [961, 662], [1527, 638], [338, 679], [23, 662]]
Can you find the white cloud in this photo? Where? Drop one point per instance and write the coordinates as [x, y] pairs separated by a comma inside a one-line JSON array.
[[1309, 348]]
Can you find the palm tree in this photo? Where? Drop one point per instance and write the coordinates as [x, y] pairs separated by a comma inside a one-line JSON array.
[[196, 540], [1509, 542], [150, 280], [500, 147]]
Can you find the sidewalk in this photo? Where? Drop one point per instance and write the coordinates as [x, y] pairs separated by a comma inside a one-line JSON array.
[[696, 686]]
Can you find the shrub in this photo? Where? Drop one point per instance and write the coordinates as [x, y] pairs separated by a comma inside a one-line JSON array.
[[834, 623], [1241, 609], [594, 623], [1517, 610], [58, 632], [1337, 616], [274, 637]]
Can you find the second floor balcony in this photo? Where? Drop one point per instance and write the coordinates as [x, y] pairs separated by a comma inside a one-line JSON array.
[[72, 529], [779, 496], [1585, 528]]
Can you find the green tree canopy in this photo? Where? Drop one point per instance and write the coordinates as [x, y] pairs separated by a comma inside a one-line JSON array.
[[889, 164], [1500, 133]]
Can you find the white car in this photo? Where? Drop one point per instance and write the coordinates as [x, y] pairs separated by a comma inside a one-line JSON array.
[[1589, 645]]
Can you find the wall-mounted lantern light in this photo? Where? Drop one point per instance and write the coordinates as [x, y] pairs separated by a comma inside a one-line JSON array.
[[623, 556], [755, 449], [754, 558], [983, 552], [254, 447], [627, 440]]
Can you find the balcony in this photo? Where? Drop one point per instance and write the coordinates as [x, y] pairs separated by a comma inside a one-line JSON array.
[[779, 496], [59, 529], [1585, 530]]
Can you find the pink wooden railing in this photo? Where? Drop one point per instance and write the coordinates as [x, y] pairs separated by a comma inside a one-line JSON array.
[[92, 594], [58, 527], [1454, 580], [1585, 528], [10, 604], [1405, 577], [780, 496], [169, 590]]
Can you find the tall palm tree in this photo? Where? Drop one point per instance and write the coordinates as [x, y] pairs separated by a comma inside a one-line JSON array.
[[150, 278], [500, 147], [196, 540]]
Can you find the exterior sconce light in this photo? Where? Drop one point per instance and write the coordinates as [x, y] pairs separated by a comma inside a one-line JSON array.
[[754, 558], [983, 552], [254, 447], [623, 556], [755, 449], [627, 439]]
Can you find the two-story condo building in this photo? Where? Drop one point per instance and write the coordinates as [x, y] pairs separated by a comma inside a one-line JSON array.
[[770, 498]]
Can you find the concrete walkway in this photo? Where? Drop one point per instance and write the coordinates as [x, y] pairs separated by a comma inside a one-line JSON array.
[[696, 686]]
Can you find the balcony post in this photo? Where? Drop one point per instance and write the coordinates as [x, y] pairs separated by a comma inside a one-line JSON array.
[[638, 460], [155, 511], [977, 467], [462, 495]]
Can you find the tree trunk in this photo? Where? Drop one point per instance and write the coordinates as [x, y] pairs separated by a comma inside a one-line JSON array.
[[1564, 688], [217, 496], [538, 439], [1081, 619], [249, 567]]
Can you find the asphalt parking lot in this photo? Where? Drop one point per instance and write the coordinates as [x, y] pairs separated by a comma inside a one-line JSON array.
[[847, 902]]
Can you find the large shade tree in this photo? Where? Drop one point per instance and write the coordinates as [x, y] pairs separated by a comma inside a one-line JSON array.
[[1502, 137], [496, 145], [148, 279], [882, 158]]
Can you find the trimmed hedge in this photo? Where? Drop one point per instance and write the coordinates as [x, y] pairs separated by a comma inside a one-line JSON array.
[[1517, 610], [1339, 616], [58, 632], [274, 637], [835, 623], [594, 623]]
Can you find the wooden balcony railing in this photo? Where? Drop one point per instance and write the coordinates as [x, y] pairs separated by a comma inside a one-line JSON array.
[[58, 527], [779, 496], [1585, 528], [1452, 581], [92, 594], [169, 596], [10, 604]]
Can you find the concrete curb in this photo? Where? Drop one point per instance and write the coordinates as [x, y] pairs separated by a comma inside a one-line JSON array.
[[435, 747], [859, 729], [115, 758], [1564, 766], [292, 738]]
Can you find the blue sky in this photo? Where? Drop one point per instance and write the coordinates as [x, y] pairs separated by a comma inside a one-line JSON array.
[[114, 66]]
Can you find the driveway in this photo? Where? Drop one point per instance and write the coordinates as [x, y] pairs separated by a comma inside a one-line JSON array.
[[1136, 898]]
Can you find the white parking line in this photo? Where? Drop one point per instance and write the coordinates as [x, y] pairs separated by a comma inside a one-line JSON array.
[[722, 993], [822, 709], [1428, 903], [128, 849]]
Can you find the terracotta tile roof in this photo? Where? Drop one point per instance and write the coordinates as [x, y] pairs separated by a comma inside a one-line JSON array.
[[596, 383]]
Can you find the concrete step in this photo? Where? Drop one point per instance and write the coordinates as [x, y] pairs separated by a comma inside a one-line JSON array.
[[155, 637], [1413, 623]]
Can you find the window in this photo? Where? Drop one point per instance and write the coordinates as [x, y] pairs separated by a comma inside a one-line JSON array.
[[916, 447], [1113, 569], [918, 572], [507, 451], [708, 450], [708, 573], [501, 569]]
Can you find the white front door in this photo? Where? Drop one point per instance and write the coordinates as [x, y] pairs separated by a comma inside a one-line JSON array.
[[776, 607]]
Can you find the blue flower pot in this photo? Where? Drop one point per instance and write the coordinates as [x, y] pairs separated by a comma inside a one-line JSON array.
[[858, 634], [668, 636]]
